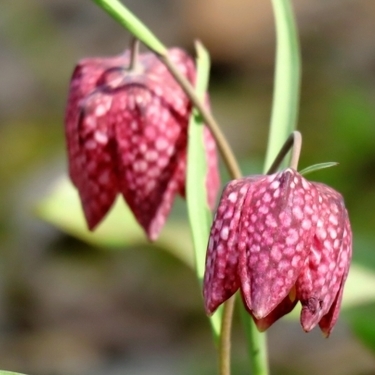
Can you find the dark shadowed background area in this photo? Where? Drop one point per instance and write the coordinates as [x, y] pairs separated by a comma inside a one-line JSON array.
[[70, 307]]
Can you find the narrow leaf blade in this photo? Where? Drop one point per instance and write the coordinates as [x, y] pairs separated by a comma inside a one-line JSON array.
[[199, 214], [126, 18], [317, 167]]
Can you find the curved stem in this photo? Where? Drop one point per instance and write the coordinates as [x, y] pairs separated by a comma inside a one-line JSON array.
[[134, 52], [295, 141], [120, 13], [223, 146], [296, 151]]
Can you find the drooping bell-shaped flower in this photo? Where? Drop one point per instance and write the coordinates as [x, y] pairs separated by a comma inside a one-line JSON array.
[[280, 239], [126, 132]]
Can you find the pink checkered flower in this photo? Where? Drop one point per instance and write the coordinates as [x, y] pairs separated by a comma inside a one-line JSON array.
[[126, 132], [280, 239]]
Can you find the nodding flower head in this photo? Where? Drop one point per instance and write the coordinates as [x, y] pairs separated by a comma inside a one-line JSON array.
[[126, 131], [280, 239]]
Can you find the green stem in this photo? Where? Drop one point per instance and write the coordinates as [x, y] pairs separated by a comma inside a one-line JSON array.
[[257, 343], [259, 353], [134, 52], [225, 336]]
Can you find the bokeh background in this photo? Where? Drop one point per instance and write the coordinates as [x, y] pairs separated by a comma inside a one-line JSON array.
[[76, 303]]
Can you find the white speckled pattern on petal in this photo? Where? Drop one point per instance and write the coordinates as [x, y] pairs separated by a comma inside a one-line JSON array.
[[290, 240], [126, 133]]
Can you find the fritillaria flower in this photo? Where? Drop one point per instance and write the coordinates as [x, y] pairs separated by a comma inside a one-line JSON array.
[[126, 131], [280, 239]]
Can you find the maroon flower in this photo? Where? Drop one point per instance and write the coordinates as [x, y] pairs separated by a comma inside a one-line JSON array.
[[126, 133], [280, 239]]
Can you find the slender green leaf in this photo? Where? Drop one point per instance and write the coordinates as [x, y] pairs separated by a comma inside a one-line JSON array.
[[287, 80], [10, 373], [199, 214], [317, 167], [126, 18]]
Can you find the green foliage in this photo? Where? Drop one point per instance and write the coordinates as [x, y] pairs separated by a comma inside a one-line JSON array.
[[352, 119], [200, 217], [286, 93], [126, 18], [361, 320], [118, 231], [317, 167]]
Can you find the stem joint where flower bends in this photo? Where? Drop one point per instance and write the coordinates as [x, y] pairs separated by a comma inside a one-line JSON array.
[[223, 146], [295, 141]]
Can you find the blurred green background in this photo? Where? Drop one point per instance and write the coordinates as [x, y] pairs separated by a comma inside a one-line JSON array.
[[78, 303]]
